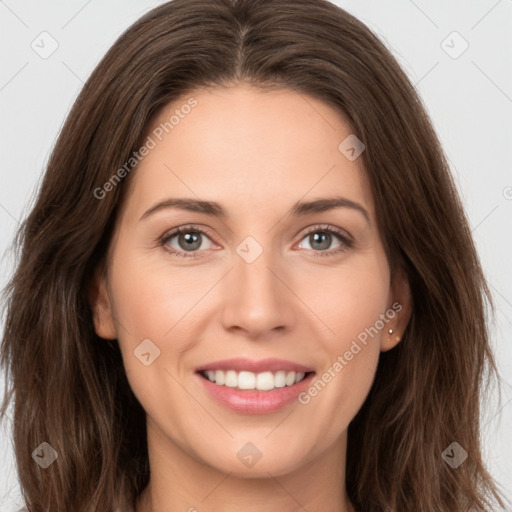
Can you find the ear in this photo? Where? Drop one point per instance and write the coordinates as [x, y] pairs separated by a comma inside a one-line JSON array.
[[401, 304], [99, 302]]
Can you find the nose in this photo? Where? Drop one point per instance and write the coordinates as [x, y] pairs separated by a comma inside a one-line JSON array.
[[257, 300]]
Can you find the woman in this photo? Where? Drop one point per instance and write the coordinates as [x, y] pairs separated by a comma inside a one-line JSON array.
[[176, 338]]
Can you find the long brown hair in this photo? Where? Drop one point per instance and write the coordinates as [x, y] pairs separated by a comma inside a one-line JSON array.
[[68, 386]]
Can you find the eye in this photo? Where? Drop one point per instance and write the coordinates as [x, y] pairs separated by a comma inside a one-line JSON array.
[[188, 239], [321, 237]]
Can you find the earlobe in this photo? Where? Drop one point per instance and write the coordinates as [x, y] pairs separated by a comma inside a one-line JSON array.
[[100, 305], [401, 304]]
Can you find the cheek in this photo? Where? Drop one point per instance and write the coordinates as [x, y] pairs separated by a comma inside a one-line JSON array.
[[151, 299], [348, 299], [355, 301], [152, 302]]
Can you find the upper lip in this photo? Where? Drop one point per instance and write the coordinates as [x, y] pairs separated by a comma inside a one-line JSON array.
[[240, 364]]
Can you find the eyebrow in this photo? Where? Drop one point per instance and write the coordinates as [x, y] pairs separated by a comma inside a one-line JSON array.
[[298, 209]]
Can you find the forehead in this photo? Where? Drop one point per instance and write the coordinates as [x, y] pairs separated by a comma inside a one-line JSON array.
[[249, 149]]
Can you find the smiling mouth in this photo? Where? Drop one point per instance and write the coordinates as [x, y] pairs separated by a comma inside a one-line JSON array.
[[250, 381]]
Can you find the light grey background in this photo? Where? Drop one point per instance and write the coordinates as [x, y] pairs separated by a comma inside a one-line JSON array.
[[469, 97]]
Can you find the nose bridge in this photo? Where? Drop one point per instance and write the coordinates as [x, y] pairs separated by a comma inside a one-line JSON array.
[[252, 269], [257, 299]]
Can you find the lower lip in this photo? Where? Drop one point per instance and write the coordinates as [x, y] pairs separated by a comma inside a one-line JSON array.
[[254, 401]]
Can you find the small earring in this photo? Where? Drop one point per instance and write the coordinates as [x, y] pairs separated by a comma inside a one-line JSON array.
[[390, 331]]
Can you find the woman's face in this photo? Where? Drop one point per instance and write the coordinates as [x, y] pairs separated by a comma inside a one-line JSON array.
[[259, 296]]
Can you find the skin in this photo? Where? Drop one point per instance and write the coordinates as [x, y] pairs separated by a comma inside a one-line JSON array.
[[256, 153]]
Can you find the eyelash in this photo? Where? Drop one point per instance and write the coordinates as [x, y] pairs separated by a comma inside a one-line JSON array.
[[324, 228]]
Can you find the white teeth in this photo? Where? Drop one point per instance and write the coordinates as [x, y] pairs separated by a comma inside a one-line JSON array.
[[280, 379], [231, 380], [219, 377], [290, 378], [263, 381], [246, 380]]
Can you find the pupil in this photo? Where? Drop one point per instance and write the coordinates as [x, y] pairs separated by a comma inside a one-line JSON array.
[[326, 240], [192, 241]]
